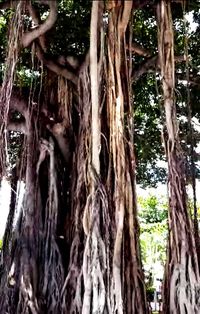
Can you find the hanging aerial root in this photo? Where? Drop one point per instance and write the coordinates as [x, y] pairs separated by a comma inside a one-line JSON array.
[[96, 253], [13, 49], [53, 274], [72, 291], [36, 275]]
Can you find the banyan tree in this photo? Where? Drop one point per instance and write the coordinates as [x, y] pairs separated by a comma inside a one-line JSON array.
[[181, 291], [67, 132]]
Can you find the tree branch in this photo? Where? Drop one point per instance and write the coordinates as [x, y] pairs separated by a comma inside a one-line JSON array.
[[139, 50], [61, 134], [194, 81], [55, 67], [58, 67], [29, 37], [36, 19], [146, 66], [150, 65]]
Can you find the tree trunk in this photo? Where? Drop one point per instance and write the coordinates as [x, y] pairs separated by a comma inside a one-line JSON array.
[[127, 273], [102, 265], [181, 285], [109, 264]]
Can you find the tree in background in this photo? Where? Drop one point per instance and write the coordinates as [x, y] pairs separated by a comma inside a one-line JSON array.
[[153, 214]]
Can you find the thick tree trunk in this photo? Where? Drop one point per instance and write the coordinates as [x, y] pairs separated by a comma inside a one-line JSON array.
[[35, 275], [182, 281], [108, 264], [127, 273], [102, 268]]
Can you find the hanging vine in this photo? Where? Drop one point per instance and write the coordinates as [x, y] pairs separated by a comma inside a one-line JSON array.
[[13, 48]]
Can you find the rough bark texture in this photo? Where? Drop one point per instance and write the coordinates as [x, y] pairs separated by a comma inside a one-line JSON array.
[[129, 287], [76, 246], [181, 286]]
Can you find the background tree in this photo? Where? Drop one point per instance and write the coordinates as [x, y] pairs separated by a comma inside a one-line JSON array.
[[153, 227]]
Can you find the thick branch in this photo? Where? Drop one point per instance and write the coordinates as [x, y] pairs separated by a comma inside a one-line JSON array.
[[147, 66], [29, 37], [150, 65], [55, 67], [36, 19], [139, 50], [69, 61], [58, 67], [192, 80]]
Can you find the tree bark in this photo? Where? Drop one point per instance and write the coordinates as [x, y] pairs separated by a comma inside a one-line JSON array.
[[181, 285], [102, 266]]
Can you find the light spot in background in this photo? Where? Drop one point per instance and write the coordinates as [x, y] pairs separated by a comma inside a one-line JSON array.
[[19, 201], [189, 18], [4, 205], [5, 202]]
